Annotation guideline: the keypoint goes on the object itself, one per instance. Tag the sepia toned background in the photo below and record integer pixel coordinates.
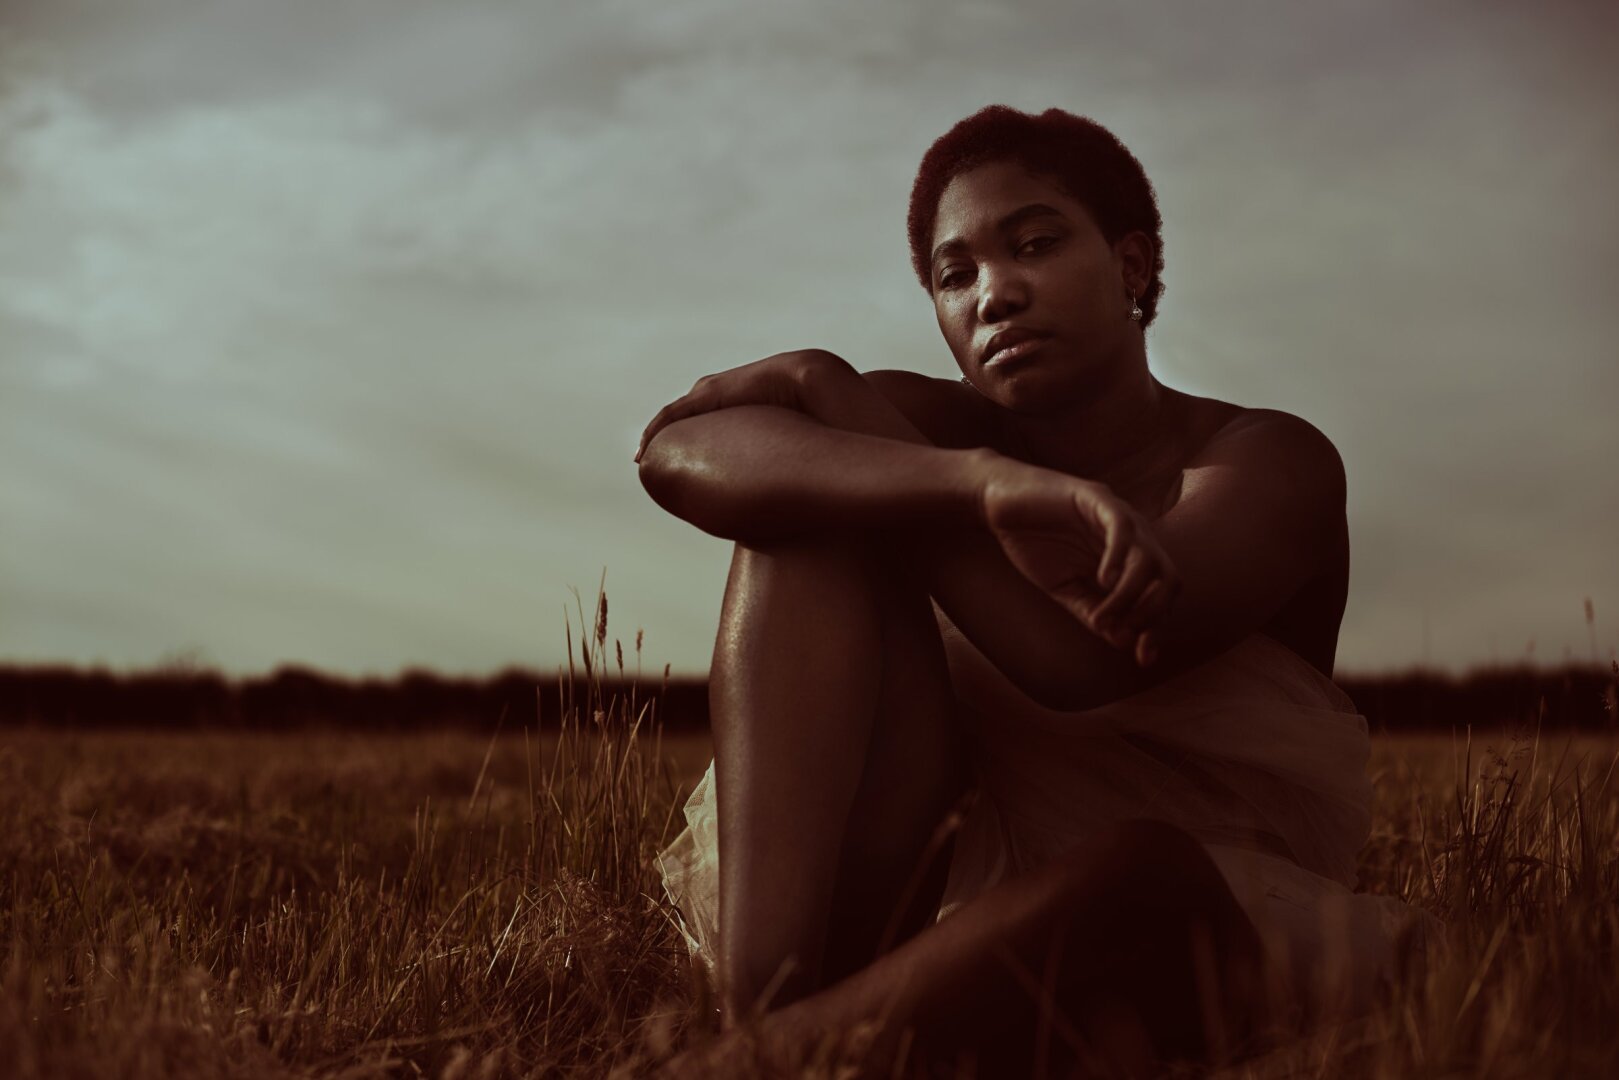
(327, 330)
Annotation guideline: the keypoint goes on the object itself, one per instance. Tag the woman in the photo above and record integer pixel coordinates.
(1025, 736)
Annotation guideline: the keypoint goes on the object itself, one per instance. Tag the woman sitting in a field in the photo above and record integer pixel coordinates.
(1105, 608)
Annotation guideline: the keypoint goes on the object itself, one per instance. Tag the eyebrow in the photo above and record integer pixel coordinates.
(1015, 218)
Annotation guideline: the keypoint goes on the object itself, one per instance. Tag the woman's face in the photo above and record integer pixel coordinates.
(1016, 258)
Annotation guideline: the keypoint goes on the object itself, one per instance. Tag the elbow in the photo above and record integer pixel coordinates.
(674, 477)
(653, 468)
(662, 472)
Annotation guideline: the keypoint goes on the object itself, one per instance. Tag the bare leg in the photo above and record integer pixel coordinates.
(1129, 952)
(834, 759)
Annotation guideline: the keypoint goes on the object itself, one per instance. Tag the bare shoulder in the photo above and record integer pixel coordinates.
(1267, 441)
(1279, 474)
(947, 411)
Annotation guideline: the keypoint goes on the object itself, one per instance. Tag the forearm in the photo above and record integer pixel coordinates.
(1052, 656)
(837, 395)
(761, 472)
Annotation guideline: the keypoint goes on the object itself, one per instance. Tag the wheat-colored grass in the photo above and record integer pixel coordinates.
(448, 905)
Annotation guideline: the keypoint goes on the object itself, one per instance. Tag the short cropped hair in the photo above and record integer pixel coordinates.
(1082, 156)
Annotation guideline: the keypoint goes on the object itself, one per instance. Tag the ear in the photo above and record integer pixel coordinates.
(1136, 256)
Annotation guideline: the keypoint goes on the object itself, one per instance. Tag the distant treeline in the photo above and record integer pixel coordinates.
(298, 697)
(292, 698)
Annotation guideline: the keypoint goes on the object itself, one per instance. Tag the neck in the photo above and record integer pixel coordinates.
(1111, 434)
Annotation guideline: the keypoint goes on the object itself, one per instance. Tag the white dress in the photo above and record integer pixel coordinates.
(1255, 753)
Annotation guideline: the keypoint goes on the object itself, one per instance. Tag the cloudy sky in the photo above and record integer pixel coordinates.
(327, 329)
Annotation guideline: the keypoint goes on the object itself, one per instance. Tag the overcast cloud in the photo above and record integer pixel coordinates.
(326, 331)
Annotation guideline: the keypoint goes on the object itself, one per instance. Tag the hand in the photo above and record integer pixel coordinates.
(1086, 548)
(775, 380)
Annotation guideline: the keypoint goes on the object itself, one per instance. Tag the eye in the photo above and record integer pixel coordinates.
(951, 276)
(1036, 244)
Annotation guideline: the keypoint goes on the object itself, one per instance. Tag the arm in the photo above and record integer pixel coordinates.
(1260, 515)
(1261, 507)
(838, 456)
(856, 451)
(833, 450)
(756, 473)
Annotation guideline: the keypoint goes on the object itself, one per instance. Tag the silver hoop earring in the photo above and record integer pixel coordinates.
(1135, 309)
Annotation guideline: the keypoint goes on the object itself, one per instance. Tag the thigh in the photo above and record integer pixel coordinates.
(1008, 632)
(897, 843)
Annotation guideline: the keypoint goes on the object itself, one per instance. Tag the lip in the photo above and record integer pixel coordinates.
(1011, 344)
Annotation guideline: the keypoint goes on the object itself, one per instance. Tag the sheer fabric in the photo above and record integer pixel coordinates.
(1255, 753)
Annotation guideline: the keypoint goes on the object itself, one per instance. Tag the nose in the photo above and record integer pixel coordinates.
(1003, 292)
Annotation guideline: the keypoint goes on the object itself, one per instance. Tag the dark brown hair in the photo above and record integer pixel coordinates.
(1082, 156)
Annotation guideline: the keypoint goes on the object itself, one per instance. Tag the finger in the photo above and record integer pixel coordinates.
(666, 416)
(1117, 545)
(1079, 598)
(1139, 571)
(1146, 649)
(650, 430)
(1150, 606)
(678, 409)
(646, 435)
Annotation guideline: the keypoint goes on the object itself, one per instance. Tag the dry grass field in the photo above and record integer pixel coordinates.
(450, 906)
